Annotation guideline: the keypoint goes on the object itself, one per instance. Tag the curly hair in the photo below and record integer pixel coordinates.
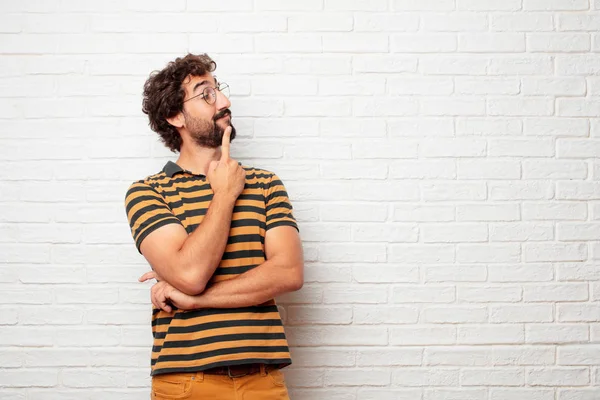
(164, 94)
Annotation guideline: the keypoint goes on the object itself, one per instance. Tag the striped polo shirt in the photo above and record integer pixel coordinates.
(195, 340)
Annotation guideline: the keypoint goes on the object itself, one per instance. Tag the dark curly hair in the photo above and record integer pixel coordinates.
(164, 94)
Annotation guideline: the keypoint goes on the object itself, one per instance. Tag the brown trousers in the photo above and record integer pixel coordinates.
(265, 385)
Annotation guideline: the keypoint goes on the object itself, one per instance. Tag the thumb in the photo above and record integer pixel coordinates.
(213, 164)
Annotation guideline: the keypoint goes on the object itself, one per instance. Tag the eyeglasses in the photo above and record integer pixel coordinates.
(209, 94)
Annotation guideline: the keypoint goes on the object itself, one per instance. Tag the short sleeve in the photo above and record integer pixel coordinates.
(278, 207)
(146, 211)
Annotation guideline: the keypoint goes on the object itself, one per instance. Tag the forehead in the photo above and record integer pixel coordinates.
(192, 81)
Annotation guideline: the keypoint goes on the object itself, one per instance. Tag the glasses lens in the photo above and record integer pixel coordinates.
(210, 96)
(224, 88)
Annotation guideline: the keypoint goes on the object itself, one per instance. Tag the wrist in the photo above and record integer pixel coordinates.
(224, 198)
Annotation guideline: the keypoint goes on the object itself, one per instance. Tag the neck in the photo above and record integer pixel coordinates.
(196, 159)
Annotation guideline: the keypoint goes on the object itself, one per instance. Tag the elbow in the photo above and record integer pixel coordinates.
(192, 283)
(298, 281)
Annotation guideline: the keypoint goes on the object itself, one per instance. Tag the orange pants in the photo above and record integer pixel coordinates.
(266, 385)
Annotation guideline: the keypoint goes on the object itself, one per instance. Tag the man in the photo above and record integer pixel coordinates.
(222, 243)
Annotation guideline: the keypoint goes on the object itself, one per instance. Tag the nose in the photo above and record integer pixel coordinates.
(222, 101)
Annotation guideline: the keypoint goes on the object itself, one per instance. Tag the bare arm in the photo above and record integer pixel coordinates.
(188, 261)
(282, 272)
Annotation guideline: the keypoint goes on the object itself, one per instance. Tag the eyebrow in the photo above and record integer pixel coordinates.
(204, 82)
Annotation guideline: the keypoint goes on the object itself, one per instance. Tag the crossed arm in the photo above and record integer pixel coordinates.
(282, 272)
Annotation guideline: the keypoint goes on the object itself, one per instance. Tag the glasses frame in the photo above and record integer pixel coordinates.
(220, 87)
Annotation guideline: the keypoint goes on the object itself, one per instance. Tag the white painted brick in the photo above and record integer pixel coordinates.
(384, 63)
(549, 5)
(578, 22)
(454, 233)
(533, 252)
(489, 293)
(424, 213)
(558, 42)
(487, 86)
(556, 333)
(519, 65)
(454, 394)
(421, 253)
(384, 233)
(380, 107)
(370, 377)
(554, 86)
(488, 169)
(491, 42)
(513, 393)
(523, 355)
(578, 148)
(456, 356)
(423, 43)
(453, 65)
(455, 273)
(423, 169)
(556, 127)
(464, 315)
(577, 272)
(423, 5)
(355, 43)
(307, 357)
(339, 107)
(446, 106)
(25, 378)
(488, 127)
(577, 231)
(522, 273)
(496, 334)
(394, 191)
(352, 86)
(425, 377)
(310, 151)
(517, 232)
(593, 84)
(583, 64)
(81, 378)
(492, 377)
(386, 22)
(158, 23)
(521, 313)
(488, 5)
(488, 212)
(532, 190)
(425, 86)
(353, 212)
(355, 294)
(577, 312)
(554, 169)
(369, 315)
(346, 127)
(558, 376)
(389, 357)
(423, 335)
(554, 211)
(272, 5)
(521, 22)
(318, 315)
(337, 336)
(578, 108)
(520, 107)
(385, 274)
(578, 355)
(428, 294)
(352, 253)
(283, 43)
(452, 148)
(578, 190)
(488, 253)
(454, 22)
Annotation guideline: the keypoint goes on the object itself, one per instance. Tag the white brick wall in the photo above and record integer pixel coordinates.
(441, 156)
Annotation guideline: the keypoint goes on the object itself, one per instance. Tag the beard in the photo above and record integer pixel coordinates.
(208, 134)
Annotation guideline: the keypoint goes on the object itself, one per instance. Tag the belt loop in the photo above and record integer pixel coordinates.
(199, 376)
(263, 370)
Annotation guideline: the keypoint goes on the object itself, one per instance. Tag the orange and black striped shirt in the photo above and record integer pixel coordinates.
(195, 340)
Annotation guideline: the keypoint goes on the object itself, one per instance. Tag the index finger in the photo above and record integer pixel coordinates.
(225, 143)
(148, 275)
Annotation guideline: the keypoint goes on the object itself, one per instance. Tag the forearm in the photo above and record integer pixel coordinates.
(253, 287)
(203, 249)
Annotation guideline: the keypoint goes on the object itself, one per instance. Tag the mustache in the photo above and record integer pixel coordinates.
(222, 114)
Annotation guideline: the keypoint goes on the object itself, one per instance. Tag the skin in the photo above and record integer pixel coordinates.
(183, 264)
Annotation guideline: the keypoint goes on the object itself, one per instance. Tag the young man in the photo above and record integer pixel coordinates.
(222, 243)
